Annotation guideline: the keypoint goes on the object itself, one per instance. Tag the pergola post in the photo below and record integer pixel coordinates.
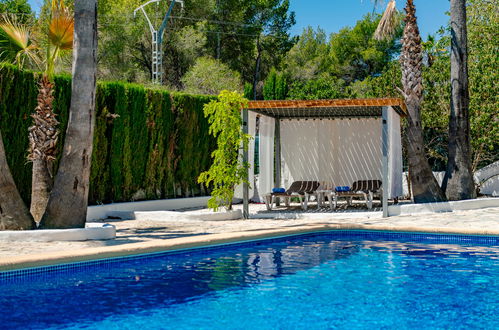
(245, 161)
(384, 144)
(277, 156)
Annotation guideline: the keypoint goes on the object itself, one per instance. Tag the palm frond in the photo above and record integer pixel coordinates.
(61, 26)
(17, 34)
(60, 34)
(16, 44)
(388, 23)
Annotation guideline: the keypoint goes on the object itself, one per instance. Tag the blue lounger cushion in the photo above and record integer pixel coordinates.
(278, 190)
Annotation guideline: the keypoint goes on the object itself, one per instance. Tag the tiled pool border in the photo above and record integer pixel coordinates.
(416, 236)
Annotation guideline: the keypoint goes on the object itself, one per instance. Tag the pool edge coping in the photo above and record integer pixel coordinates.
(199, 241)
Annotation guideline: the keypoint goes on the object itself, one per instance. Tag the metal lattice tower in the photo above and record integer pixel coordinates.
(157, 38)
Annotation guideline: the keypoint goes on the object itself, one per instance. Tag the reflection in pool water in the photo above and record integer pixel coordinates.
(314, 281)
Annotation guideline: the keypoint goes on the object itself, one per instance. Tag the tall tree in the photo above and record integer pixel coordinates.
(309, 57)
(44, 134)
(425, 187)
(20, 8)
(458, 182)
(67, 206)
(355, 54)
(483, 24)
(253, 35)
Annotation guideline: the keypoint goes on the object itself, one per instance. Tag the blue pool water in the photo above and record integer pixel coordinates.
(350, 280)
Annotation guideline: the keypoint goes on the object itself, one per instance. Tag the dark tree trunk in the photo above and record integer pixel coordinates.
(458, 181)
(67, 206)
(425, 187)
(256, 76)
(14, 214)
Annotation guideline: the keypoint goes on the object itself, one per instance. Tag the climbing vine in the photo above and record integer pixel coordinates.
(227, 169)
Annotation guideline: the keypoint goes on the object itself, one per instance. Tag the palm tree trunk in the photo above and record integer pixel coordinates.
(425, 187)
(67, 206)
(41, 184)
(458, 181)
(14, 214)
(43, 136)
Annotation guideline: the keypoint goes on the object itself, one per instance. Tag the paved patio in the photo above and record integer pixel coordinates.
(142, 236)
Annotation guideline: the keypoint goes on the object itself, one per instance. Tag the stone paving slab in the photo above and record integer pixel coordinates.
(144, 236)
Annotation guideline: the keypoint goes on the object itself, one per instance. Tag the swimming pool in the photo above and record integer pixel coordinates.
(349, 279)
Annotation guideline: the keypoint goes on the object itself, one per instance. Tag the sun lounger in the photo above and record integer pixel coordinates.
(363, 188)
(300, 189)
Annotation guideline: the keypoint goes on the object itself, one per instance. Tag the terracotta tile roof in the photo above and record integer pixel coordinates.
(327, 108)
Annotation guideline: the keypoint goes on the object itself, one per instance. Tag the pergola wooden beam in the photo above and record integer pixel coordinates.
(325, 109)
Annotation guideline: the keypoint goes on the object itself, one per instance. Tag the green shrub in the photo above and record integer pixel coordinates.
(148, 143)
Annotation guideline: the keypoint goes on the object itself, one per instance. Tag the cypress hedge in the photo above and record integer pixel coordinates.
(148, 143)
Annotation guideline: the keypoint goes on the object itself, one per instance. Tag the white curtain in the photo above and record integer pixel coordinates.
(394, 155)
(238, 191)
(339, 151)
(266, 156)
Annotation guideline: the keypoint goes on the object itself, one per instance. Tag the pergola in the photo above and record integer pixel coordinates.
(286, 111)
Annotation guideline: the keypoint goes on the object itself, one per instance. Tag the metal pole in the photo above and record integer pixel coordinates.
(157, 39)
(154, 58)
(277, 156)
(218, 45)
(384, 143)
(245, 161)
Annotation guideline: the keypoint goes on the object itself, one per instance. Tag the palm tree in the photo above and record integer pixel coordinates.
(425, 187)
(67, 205)
(17, 46)
(458, 182)
(43, 135)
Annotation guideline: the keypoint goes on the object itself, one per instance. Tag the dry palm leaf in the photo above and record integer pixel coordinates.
(388, 23)
(17, 44)
(61, 26)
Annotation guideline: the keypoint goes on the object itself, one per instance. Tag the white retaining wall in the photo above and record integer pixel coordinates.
(178, 216)
(471, 204)
(92, 231)
(102, 211)
(488, 179)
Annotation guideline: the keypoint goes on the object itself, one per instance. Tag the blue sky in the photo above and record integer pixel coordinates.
(332, 15)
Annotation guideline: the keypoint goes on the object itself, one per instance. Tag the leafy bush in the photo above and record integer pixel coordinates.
(210, 76)
(320, 88)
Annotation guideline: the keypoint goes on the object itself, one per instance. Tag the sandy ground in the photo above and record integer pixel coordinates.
(136, 231)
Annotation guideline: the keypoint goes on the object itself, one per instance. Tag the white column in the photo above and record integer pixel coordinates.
(384, 146)
(245, 160)
(266, 156)
(394, 155)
